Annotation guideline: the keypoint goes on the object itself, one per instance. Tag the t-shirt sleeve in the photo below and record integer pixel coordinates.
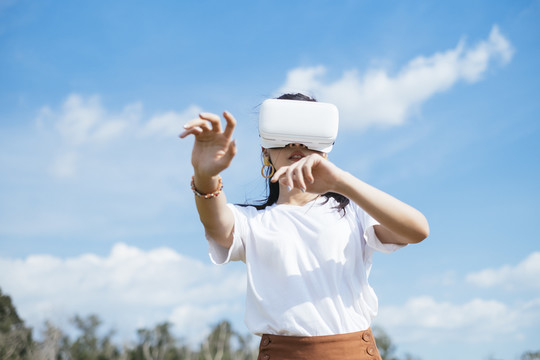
(220, 255)
(370, 236)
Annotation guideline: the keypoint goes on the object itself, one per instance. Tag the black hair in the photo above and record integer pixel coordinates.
(272, 189)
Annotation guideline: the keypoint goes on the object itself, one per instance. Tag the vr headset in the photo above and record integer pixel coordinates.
(313, 124)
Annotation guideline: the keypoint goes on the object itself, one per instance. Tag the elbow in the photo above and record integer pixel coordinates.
(422, 232)
(419, 237)
(417, 231)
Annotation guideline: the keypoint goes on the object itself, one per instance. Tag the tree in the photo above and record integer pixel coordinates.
(156, 344)
(15, 338)
(88, 346)
(55, 344)
(219, 345)
(223, 342)
(386, 348)
(384, 344)
(529, 355)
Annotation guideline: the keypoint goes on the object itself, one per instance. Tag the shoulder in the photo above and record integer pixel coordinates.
(338, 203)
(246, 210)
(352, 212)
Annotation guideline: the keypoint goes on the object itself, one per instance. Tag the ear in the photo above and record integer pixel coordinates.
(265, 152)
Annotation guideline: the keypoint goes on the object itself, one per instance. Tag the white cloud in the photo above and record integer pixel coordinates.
(170, 123)
(112, 182)
(524, 275)
(83, 123)
(478, 320)
(82, 120)
(128, 288)
(378, 98)
(425, 319)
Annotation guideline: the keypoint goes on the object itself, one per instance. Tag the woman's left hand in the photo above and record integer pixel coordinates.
(312, 173)
(399, 222)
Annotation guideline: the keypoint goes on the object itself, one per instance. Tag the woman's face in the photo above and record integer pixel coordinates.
(289, 154)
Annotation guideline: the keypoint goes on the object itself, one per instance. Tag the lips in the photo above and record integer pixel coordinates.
(297, 155)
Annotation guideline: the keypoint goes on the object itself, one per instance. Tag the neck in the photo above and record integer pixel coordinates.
(295, 196)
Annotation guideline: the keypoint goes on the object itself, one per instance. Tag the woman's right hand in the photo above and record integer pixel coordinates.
(213, 152)
(213, 149)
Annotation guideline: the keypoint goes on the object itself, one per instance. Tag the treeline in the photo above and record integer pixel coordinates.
(18, 343)
(91, 343)
(222, 343)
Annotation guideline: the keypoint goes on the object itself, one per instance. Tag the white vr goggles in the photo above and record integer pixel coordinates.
(313, 124)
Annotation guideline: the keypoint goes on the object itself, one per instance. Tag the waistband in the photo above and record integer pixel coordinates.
(350, 346)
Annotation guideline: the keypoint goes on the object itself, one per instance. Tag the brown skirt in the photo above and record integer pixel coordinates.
(352, 346)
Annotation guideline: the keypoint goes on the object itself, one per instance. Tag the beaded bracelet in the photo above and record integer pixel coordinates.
(210, 195)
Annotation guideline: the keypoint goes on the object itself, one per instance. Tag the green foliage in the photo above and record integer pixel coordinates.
(384, 344)
(223, 342)
(89, 346)
(55, 344)
(156, 344)
(219, 345)
(386, 348)
(529, 355)
(15, 338)
(8, 314)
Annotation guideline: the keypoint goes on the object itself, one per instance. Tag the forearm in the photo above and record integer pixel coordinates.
(215, 215)
(401, 223)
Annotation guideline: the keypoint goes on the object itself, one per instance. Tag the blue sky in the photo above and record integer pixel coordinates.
(439, 107)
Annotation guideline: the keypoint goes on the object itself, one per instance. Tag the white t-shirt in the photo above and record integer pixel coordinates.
(307, 267)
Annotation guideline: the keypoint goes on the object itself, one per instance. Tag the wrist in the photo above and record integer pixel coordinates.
(342, 184)
(205, 183)
(208, 195)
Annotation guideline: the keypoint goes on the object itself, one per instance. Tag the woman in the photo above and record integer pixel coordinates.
(307, 248)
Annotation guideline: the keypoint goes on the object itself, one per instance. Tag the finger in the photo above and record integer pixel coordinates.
(298, 177)
(229, 154)
(192, 131)
(278, 174)
(289, 181)
(203, 124)
(214, 120)
(231, 124)
(232, 148)
(308, 172)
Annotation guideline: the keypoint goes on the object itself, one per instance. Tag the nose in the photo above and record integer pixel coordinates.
(296, 145)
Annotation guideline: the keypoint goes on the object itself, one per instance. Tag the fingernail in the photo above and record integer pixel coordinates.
(289, 188)
(185, 126)
(303, 190)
